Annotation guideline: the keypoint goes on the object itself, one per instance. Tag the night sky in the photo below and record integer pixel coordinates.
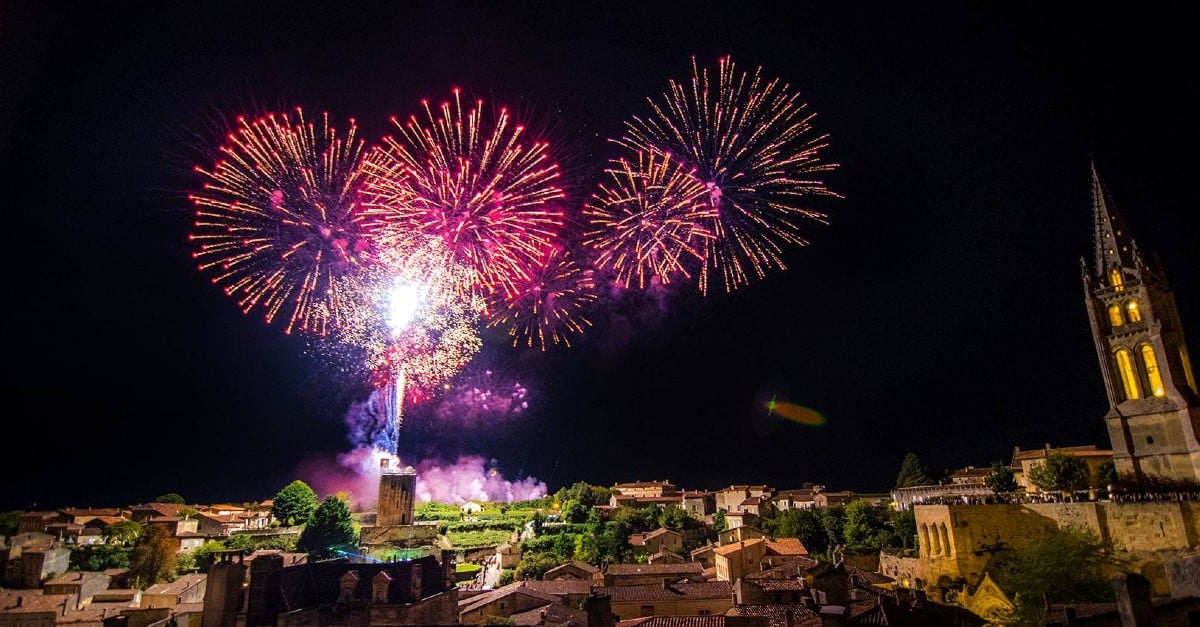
(941, 312)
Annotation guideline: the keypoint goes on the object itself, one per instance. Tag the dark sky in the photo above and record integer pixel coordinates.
(940, 312)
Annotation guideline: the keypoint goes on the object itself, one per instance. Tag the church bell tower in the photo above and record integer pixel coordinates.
(1154, 409)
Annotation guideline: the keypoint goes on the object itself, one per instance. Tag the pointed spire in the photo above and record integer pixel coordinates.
(1114, 244)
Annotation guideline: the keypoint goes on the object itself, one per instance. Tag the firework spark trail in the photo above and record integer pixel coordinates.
(467, 178)
(750, 141)
(277, 220)
(546, 307)
(649, 220)
(443, 334)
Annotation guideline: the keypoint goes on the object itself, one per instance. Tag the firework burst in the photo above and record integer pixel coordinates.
(431, 338)
(547, 305)
(649, 220)
(277, 221)
(475, 182)
(750, 141)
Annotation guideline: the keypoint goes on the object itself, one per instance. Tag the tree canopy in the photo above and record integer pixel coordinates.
(153, 558)
(1001, 478)
(173, 498)
(1063, 566)
(295, 504)
(912, 472)
(330, 530)
(1060, 472)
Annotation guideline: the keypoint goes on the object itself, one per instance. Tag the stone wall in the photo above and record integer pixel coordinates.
(1143, 534)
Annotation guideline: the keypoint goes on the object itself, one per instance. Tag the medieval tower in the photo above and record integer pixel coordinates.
(396, 490)
(1154, 409)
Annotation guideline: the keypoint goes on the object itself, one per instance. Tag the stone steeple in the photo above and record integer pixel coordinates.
(1154, 410)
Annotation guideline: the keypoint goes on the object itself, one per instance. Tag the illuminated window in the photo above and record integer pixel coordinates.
(1129, 378)
(1135, 312)
(1116, 279)
(1152, 373)
(1114, 315)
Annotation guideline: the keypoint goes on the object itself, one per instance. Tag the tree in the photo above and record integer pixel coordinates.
(188, 512)
(329, 531)
(866, 526)
(1001, 478)
(239, 541)
(97, 557)
(1060, 472)
(904, 529)
(170, 497)
(800, 523)
(719, 522)
(574, 512)
(1062, 566)
(9, 521)
(124, 532)
(153, 558)
(295, 504)
(1106, 474)
(912, 472)
(833, 519)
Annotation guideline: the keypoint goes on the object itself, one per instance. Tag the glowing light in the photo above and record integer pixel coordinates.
(278, 223)
(475, 182)
(405, 299)
(649, 220)
(750, 141)
(795, 413)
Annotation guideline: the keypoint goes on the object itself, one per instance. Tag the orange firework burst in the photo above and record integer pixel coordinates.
(472, 180)
(649, 220)
(277, 220)
(750, 142)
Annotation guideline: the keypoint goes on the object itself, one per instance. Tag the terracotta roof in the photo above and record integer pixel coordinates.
(228, 507)
(752, 500)
(777, 614)
(574, 565)
(34, 601)
(779, 585)
(786, 546)
(163, 509)
(106, 520)
(555, 614)
(637, 539)
(91, 512)
(476, 602)
(670, 592)
(702, 550)
(163, 519)
(686, 568)
(75, 576)
(178, 586)
(791, 567)
(730, 549)
(661, 531)
(562, 586)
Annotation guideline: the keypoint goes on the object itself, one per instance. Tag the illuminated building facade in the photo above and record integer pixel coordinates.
(1154, 409)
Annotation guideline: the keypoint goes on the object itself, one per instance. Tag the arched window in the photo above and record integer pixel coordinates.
(1152, 373)
(1135, 312)
(937, 541)
(1129, 379)
(1114, 315)
(925, 538)
(946, 546)
(1116, 279)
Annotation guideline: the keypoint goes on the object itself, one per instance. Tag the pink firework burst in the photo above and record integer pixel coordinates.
(277, 219)
(547, 306)
(474, 180)
(649, 220)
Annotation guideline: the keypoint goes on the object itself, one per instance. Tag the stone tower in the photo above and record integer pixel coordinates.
(396, 489)
(1154, 411)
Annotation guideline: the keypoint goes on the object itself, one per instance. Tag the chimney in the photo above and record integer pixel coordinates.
(599, 610)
